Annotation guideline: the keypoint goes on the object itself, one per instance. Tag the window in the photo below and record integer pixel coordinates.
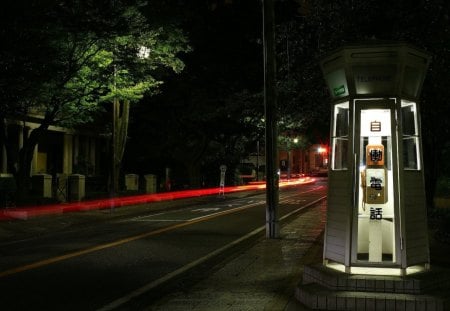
(410, 136)
(340, 136)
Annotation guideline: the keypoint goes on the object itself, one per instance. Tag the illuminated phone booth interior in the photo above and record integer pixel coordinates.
(376, 218)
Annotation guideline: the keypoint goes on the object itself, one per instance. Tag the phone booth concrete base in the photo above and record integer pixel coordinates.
(376, 253)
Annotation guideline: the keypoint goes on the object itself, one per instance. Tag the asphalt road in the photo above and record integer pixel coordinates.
(103, 260)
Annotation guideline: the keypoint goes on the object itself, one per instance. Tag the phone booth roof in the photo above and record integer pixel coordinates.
(381, 70)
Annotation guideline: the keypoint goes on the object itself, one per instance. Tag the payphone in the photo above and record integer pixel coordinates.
(376, 214)
(374, 196)
(374, 176)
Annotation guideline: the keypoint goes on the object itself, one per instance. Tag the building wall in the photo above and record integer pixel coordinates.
(297, 161)
(59, 151)
(312, 160)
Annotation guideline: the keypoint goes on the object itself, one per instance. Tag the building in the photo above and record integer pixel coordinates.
(292, 163)
(310, 161)
(60, 153)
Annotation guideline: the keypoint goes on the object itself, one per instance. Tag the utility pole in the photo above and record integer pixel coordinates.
(114, 173)
(257, 160)
(270, 108)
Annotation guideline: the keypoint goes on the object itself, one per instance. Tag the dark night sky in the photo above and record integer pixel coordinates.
(227, 56)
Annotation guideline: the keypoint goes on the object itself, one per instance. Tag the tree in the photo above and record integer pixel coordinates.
(136, 57)
(200, 120)
(225, 71)
(65, 58)
(313, 28)
(45, 62)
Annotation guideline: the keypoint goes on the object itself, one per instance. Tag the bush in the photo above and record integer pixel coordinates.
(7, 191)
(440, 221)
(443, 187)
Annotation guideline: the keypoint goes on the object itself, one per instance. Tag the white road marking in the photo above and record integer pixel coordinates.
(157, 220)
(148, 287)
(206, 209)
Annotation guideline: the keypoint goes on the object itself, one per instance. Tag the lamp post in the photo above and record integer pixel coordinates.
(288, 149)
(323, 155)
(115, 110)
(290, 161)
(120, 124)
(257, 160)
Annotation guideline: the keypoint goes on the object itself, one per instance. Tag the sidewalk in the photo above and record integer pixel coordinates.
(264, 276)
(261, 278)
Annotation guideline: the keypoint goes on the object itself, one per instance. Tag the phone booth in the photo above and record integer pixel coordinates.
(376, 214)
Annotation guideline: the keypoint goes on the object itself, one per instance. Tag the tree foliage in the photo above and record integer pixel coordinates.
(199, 121)
(64, 58)
(314, 28)
(225, 70)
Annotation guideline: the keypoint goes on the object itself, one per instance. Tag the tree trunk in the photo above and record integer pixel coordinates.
(194, 175)
(20, 167)
(192, 161)
(23, 174)
(121, 113)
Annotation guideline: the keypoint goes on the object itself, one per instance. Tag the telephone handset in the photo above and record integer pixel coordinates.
(373, 178)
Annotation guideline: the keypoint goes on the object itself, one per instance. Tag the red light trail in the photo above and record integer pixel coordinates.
(62, 208)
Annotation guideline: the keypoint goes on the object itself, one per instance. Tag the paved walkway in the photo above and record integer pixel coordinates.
(261, 278)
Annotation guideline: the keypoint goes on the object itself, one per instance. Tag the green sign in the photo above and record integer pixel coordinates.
(339, 90)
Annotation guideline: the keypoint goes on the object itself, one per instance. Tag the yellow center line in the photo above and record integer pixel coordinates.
(89, 250)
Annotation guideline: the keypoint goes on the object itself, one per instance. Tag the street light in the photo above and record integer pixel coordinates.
(289, 149)
(323, 155)
(119, 121)
(321, 149)
(143, 52)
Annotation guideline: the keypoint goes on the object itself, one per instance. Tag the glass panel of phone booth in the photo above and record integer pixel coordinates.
(340, 136)
(410, 136)
(375, 231)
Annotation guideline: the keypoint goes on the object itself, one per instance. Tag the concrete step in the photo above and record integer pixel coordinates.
(417, 283)
(318, 297)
